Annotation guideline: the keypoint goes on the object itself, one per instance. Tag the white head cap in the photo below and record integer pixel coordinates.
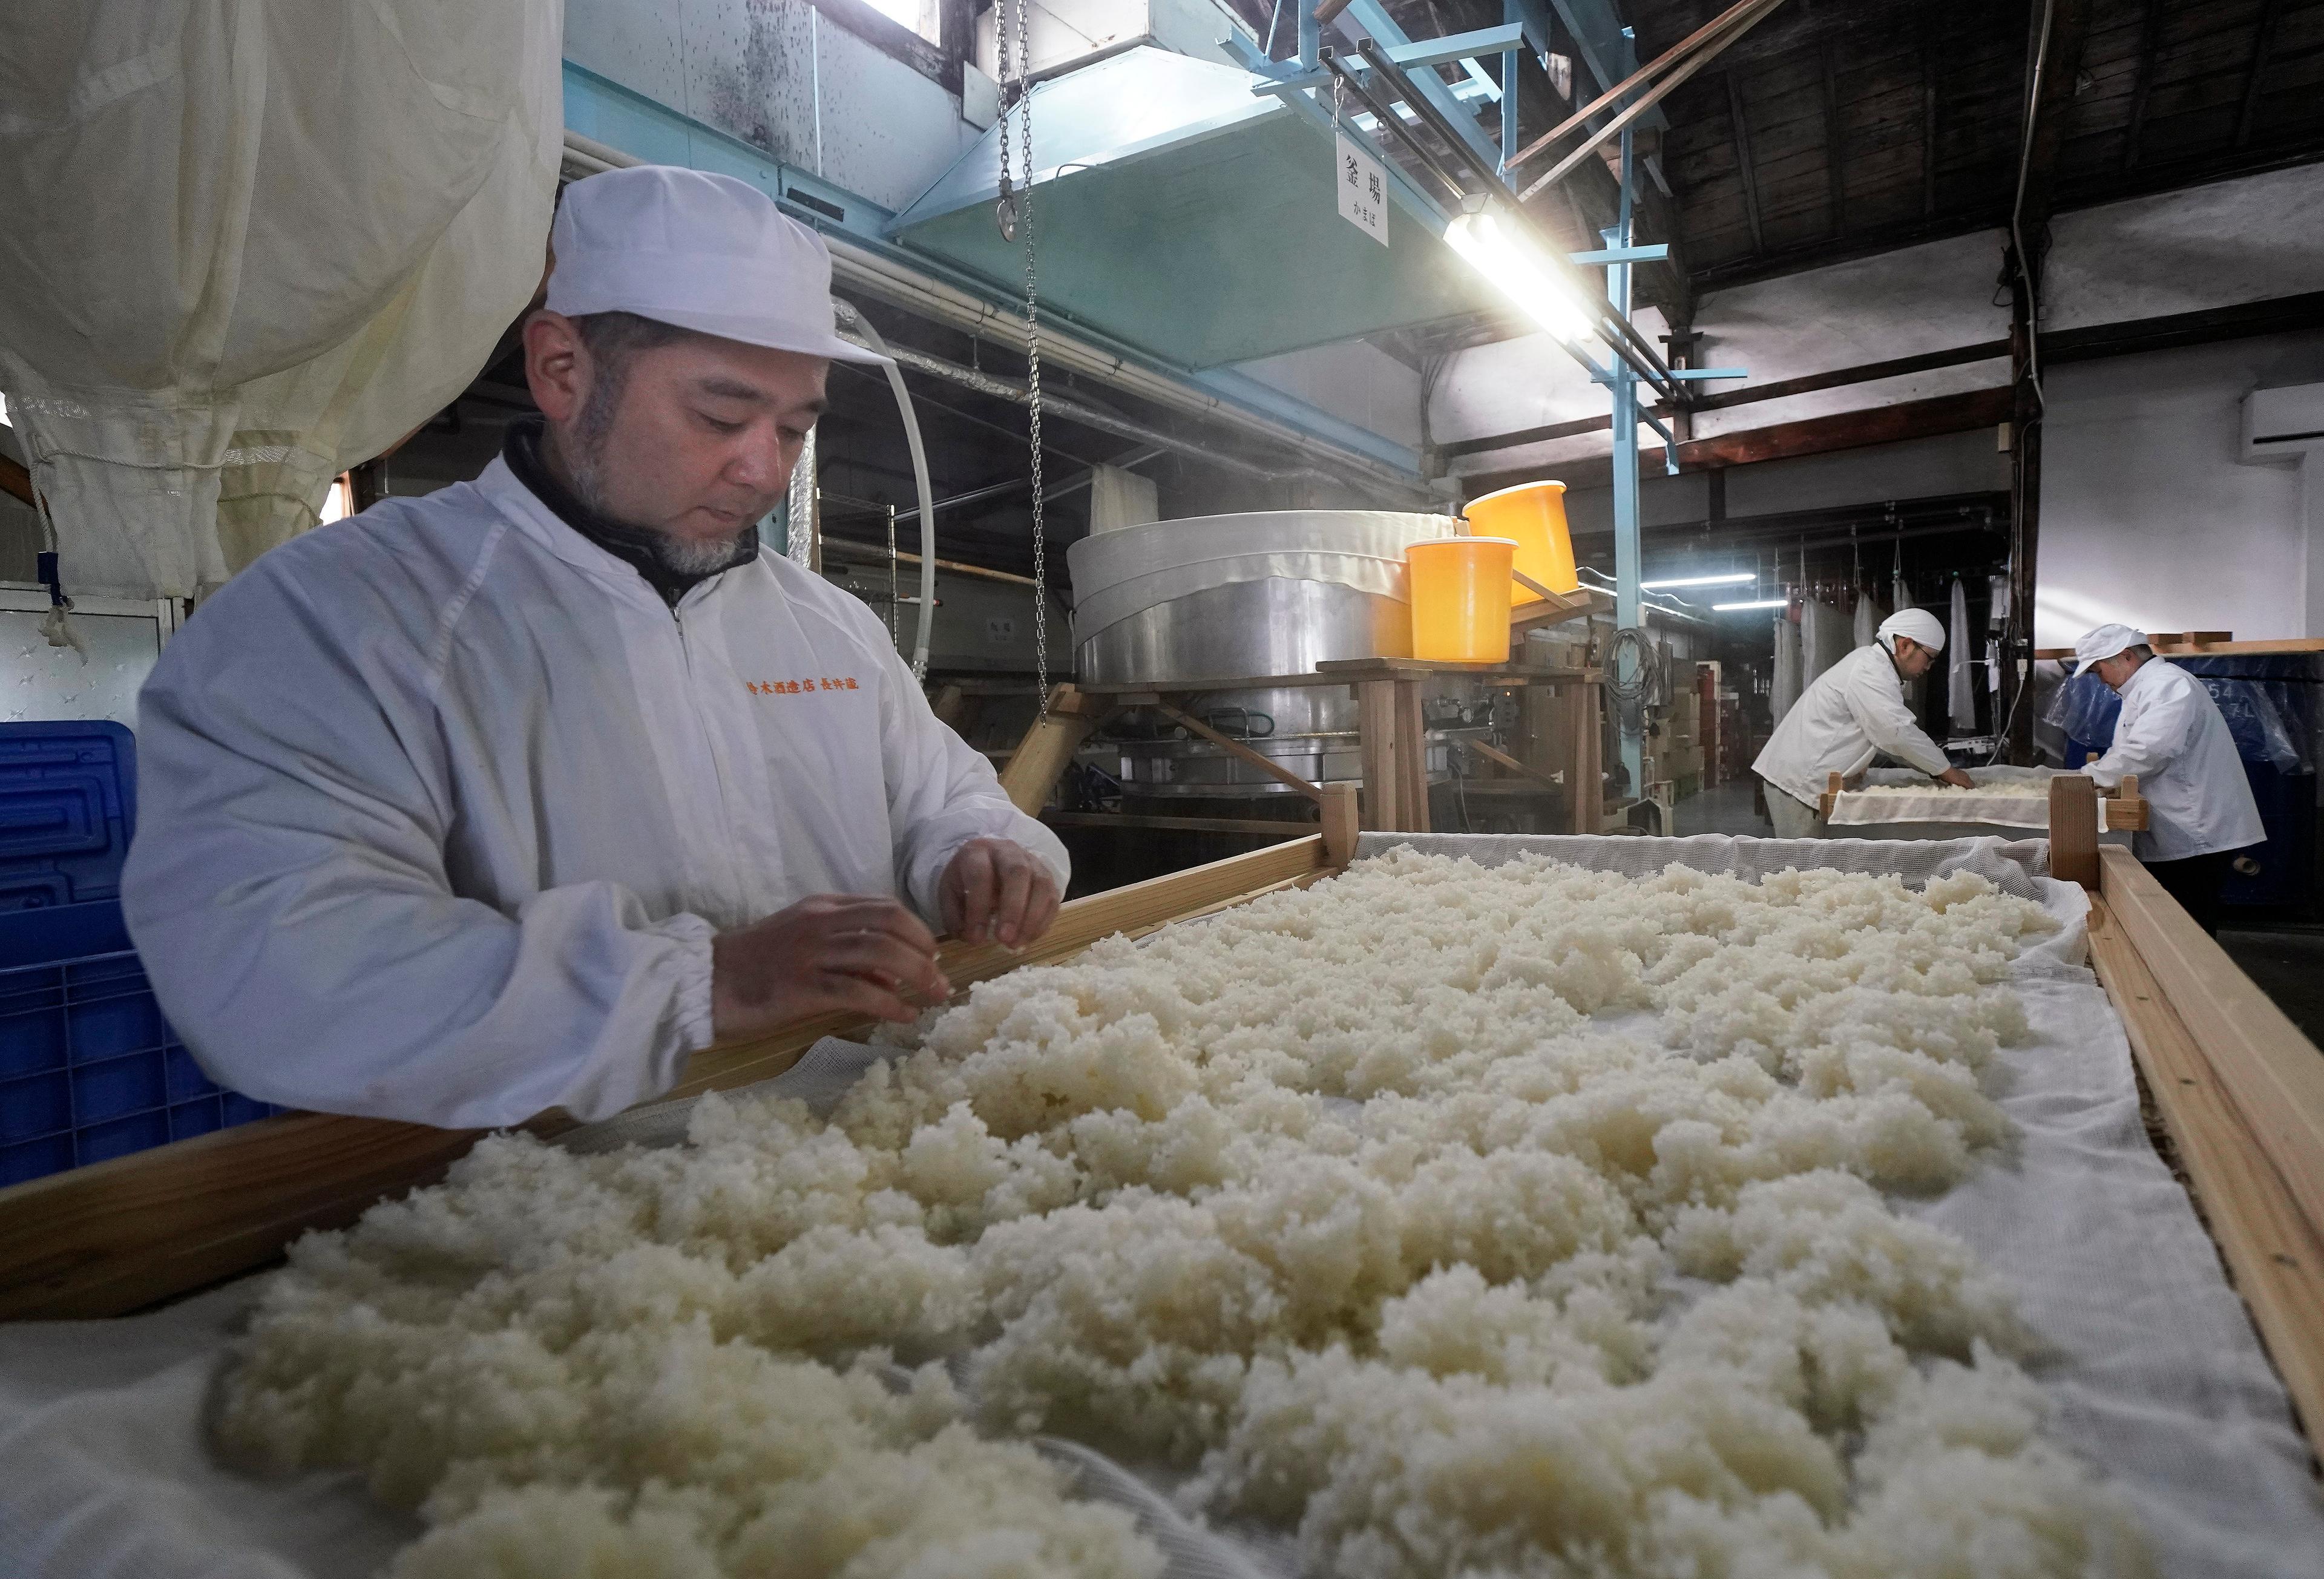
(2106, 642)
(1917, 623)
(700, 251)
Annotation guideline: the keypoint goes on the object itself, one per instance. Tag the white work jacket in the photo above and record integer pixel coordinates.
(1854, 710)
(441, 806)
(2199, 800)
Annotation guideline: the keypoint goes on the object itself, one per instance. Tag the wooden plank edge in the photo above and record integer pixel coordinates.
(2274, 1073)
(118, 1236)
(2273, 1251)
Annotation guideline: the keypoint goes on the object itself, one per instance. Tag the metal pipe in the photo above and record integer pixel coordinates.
(927, 511)
(1394, 124)
(1088, 416)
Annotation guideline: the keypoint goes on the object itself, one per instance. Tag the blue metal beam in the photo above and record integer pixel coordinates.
(1373, 17)
(1654, 253)
(1458, 46)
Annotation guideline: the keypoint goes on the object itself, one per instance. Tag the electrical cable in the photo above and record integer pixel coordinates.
(2017, 209)
(1630, 691)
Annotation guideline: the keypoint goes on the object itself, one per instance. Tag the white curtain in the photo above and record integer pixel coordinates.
(1960, 693)
(1787, 666)
(251, 243)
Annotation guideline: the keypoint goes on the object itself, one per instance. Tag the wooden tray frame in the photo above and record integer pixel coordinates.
(2240, 1090)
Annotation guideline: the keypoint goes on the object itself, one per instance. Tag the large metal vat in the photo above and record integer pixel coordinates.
(1232, 597)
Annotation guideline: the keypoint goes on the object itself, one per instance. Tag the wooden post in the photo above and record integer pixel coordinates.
(1833, 786)
(2074, 829)
(1339, 824)
(1376, 736)
(1042, 757)
(1412, 758)
(1585, 768)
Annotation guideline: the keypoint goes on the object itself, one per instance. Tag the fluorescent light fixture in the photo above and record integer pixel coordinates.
(1736, 579)
(1518, 271)
(1721, 608)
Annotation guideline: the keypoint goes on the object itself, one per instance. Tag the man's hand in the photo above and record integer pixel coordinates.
(1957, 778)
(831, 954)
(997, 891)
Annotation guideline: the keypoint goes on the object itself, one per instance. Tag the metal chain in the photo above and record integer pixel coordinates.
(893, 590)
(1032, 357)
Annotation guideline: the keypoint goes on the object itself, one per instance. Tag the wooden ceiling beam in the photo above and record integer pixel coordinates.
(2263, 45)
(1743, 167)
(2150, 41)
(1890, 424)
(1835, 148)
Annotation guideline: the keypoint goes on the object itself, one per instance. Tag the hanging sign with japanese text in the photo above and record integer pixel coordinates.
(1363, 190)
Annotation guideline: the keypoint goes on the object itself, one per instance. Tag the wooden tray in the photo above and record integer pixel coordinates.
(2240, 1089)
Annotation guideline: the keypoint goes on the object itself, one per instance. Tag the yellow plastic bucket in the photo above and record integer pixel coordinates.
(1459, 613)
(1532, 516)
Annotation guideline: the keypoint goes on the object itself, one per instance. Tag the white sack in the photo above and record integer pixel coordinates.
(1961, 694)
(1869, 616)
(1824, 639)
(254, 243)
(1787, 667)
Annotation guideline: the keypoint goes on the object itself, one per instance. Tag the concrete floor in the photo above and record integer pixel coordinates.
(2288, 965)
(1724, 809)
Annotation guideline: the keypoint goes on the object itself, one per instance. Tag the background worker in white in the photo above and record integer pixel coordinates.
(2199, 807)
(516, 795)
(1854, 710)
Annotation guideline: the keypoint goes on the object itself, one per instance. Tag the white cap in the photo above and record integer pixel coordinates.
(700, 251)
(2106, 642)
(1918, 623)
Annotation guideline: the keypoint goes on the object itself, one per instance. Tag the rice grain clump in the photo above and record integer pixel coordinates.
(1514, 1221)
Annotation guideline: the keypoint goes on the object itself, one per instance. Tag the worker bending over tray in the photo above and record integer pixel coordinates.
(2170, 736)
(515, 796)
(1854, 710)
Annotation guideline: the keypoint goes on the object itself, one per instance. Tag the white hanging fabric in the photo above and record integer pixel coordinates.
(1960, 692)
(1824, 639)
(1120, 497)
(315, 223)
(1788, 683)
(1869, 612)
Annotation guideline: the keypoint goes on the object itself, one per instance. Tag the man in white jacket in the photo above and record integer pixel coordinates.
(517, 795)
(2171, 736)
(1854, 710)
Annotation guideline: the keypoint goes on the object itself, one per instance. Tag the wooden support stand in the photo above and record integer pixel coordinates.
(1048, 748)
(2074, 829)
(1562, 743)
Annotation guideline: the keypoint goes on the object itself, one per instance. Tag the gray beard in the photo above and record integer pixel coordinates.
(676, 556)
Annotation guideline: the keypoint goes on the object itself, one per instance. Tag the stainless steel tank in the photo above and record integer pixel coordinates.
(1232, 597)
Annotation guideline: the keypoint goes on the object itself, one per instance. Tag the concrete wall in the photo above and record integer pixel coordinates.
(2149, 517)
(778, 74)
(1353, 381)
(2244, 240)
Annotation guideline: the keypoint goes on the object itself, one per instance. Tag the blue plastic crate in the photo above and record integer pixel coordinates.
(68, 809)
(89, 1068)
